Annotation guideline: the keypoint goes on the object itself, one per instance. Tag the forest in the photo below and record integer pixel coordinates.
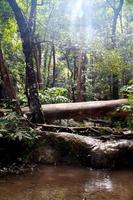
(66, 83)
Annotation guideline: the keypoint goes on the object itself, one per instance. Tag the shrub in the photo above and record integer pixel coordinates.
(54, 95)
(14, 127)
(128, 92)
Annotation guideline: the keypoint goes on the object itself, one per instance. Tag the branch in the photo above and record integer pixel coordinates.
(110, 4)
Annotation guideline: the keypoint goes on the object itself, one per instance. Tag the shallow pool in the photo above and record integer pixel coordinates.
(68, 183)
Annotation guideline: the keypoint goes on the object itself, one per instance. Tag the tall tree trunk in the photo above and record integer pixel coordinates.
(70, 77)
(36, 43)
(74, 78)
(115, 86)
(54, 65)
(7, 82)
(27, 43)
(38, 58)
(32, 17)
(81, 77)
(84, 62)
(115, 81)
(45, 64)
(49, 65)
(121, 22)
(79, 74)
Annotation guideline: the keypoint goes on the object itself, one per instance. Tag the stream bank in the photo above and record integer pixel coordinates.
(106, 151)
(23, 147)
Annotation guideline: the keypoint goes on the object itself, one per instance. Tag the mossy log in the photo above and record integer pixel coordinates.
(85, 150)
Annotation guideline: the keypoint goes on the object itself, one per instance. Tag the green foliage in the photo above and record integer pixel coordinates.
(129, 2)
(14, 127)
(49, 96)
(22, 97)
(54, 95)
(128, 91)
(7, 103)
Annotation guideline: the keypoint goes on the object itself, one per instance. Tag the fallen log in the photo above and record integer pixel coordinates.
(91, 152)
(83, 110)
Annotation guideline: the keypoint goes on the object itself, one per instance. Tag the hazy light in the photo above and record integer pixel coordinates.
(79, 15)
(77, 10)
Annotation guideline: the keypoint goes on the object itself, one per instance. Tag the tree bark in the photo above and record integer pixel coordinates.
(36, 43)
(81, 77)
(54, 65)
(45, 64)
(49, 66)
(32, 18)
(71, 77)
(37, 56)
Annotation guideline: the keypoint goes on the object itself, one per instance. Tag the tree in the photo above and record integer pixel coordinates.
(7, 82)
(26, 31)
(117, 9)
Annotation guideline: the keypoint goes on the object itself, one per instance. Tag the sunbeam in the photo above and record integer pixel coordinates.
(80, 17)
(77, 10)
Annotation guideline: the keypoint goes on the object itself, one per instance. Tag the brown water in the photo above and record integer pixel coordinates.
(68, 183)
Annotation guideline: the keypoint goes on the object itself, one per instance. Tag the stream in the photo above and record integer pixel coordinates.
(68, 183)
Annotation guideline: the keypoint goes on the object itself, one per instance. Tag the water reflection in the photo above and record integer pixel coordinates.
(65, 183)
(105, 184)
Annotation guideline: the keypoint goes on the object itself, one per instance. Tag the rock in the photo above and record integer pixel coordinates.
(45, 155)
